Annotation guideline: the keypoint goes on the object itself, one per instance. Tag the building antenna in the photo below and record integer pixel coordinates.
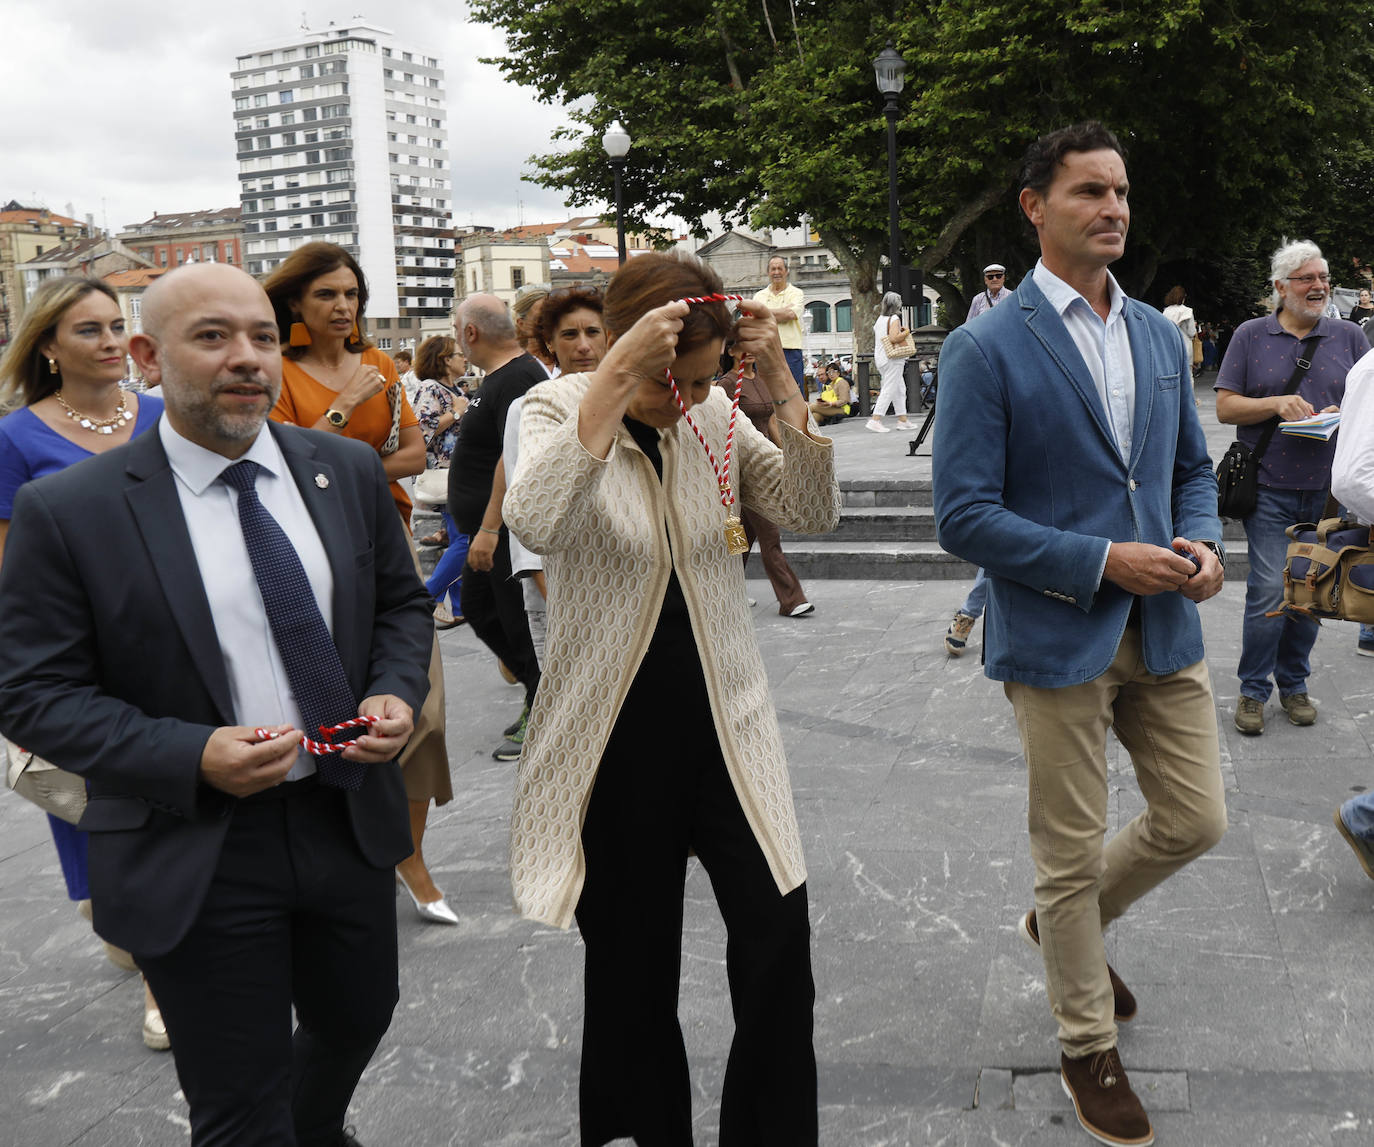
(305, 21)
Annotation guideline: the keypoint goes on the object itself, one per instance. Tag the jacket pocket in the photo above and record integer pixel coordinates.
(1167, 382)
(114, 814)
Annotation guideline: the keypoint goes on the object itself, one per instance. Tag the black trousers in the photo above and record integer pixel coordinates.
(659, 792)
(294, 916)
(494, 605)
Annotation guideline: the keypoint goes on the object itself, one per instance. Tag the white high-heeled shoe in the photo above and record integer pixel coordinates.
(435, 911)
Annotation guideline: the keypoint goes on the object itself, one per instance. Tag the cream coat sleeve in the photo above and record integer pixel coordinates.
(1352, 470)
(555, 473)
(793, 486)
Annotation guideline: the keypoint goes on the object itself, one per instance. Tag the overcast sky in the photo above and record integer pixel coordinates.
(124, 109)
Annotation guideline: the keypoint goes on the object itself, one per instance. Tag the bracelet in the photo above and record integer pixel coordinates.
(487, 531)
(785, 401)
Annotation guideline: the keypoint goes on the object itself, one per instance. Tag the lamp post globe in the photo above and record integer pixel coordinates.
(616, 143)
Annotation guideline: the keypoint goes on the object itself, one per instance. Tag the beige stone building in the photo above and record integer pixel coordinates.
(25, 233)
(97, 256)
(494, 264)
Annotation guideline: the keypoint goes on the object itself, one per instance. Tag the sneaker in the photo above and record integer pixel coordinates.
(876, 427)
(1366, 647)
(956, 636)
(1364, 851)
(1299, 708)
(444, 618)
(802, 610)
(507, 751)
(1250, 716)
(1107, 1108)
(1124, 1006)
(515, 731)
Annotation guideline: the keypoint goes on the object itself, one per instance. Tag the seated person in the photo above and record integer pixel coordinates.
(832, 403)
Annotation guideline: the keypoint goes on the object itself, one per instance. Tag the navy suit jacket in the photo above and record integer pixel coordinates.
(109, 664)
(1030, 485)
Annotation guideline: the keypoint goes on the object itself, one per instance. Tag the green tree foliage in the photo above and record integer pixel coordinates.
(1243, 122)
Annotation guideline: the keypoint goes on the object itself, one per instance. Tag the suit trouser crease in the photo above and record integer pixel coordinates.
(1167, 724)
(294, 916)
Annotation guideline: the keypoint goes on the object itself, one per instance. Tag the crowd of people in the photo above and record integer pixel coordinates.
(252, 806)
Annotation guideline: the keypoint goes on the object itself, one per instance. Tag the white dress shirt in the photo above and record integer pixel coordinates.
(1105, 347)
(1352, 470)
(258, 685)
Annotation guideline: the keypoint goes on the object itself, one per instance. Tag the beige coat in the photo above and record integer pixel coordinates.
(604, 528)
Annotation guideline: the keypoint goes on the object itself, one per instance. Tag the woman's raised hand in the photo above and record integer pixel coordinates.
(367, 380)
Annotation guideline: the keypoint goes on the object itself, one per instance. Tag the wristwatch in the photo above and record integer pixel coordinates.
(336, 418)
(1215, 547)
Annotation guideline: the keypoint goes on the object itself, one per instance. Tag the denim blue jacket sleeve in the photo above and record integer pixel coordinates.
(1030, 485)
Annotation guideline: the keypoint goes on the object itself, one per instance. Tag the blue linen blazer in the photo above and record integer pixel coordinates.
(1029, 484)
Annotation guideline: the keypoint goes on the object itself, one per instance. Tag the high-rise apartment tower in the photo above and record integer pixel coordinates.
(342, 136)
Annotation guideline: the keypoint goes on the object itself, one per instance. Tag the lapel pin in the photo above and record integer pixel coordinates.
(321, 481)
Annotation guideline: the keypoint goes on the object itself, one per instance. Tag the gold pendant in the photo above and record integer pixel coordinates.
(736, 540)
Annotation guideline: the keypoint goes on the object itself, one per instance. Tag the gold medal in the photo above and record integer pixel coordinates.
(736, 540)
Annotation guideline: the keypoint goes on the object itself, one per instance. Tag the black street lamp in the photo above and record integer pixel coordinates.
(616, 141)
(890, 70)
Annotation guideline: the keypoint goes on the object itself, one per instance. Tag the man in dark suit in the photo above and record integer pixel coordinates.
(142, 645)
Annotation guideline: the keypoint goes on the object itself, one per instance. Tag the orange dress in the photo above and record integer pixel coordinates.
(304, 399)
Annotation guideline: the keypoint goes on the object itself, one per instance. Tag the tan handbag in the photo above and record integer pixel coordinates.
(40, 782)
(904, 347)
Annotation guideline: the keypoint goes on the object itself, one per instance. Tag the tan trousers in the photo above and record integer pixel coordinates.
(1168, 726)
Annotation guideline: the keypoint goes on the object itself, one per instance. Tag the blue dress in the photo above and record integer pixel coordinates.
(29, 449)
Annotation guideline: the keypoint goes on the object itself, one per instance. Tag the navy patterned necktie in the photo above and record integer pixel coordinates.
(307, 650)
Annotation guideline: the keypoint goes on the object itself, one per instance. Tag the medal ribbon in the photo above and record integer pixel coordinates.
(324, 748)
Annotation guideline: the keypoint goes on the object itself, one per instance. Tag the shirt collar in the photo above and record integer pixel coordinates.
(1272, 326)
(199, 468)
(1061, 296)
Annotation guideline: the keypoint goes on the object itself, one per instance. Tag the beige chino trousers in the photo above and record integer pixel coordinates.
(1168, 726)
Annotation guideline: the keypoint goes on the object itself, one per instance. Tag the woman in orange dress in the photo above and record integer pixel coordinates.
(336, 381)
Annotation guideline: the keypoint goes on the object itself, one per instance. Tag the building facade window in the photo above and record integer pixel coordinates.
(844, 316)
(820, 317)
(517, 277)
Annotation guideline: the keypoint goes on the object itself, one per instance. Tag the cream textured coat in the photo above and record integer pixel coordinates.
(605, 528)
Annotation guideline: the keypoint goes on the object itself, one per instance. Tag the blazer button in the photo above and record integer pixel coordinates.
(1133, 485)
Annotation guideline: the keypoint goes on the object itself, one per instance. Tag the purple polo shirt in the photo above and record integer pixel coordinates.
(1259, 362)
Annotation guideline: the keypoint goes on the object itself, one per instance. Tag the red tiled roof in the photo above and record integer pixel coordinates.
(35, 215)
(137, 277)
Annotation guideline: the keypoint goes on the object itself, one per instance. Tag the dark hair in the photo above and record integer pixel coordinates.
(292, 277)
(651, 280)
(1175, 297)
(1047, 152)
(402, 353)
(432, 361)
(559, 304)
(24, 376)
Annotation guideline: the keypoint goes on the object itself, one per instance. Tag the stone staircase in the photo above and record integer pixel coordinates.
(887, 533)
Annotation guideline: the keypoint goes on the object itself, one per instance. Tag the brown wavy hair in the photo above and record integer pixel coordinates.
(289, 281)
(430, 360)
(559, 304)
(649, 281)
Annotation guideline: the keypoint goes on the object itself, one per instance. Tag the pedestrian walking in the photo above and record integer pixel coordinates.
(1091, 503)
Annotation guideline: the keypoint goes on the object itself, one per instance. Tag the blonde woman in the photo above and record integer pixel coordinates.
(62, 370)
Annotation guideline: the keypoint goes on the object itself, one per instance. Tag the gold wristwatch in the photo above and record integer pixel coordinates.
(336, 418)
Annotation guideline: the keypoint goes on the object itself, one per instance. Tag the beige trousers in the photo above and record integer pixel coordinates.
(1168, 726)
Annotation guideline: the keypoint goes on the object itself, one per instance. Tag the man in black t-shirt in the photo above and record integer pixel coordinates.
(492, 601)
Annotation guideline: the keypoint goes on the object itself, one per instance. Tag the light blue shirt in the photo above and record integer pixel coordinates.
(258, 685)
(1105, 347)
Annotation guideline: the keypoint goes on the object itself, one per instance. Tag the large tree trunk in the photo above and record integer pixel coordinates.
(861, 265)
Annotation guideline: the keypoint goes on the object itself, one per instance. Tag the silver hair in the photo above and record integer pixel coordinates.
(1287, 259)
(892, 303)
(493, 323)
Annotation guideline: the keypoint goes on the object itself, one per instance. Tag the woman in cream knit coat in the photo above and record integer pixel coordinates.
(653, 734)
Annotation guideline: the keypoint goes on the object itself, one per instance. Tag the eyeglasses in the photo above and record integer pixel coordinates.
(1308, 280)
(995, 275)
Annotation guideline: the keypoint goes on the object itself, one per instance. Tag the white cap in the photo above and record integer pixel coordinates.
(993, 267)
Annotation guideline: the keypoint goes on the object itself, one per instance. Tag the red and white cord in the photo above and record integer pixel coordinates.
(324, 748)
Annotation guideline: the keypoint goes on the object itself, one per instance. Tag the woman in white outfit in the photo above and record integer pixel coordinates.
(893, 392)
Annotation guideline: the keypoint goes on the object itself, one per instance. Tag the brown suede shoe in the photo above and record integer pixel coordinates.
(1107, 1108)
(1123, 1002)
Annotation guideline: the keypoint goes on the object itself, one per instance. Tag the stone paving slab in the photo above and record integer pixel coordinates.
(931, 1021)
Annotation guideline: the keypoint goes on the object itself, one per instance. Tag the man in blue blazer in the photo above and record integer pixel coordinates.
(1070, 464)
(136, 650)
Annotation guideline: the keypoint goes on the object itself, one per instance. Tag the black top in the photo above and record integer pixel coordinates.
(674, 614)
(480, 437)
